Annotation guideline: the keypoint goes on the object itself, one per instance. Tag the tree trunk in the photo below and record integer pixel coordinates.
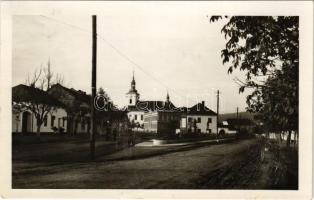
(289, 139)
(38, 131)
(39, 123)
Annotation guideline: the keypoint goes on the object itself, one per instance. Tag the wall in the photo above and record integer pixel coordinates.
(59, 114)
(151, 121)
(168, 122)
(131, 116)
(132, 96)
(203, 124)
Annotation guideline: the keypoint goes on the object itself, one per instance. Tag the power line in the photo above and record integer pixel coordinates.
(118, 51)
(67, 24)
(137, 65)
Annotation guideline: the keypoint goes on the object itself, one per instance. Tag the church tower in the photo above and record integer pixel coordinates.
(133, 96)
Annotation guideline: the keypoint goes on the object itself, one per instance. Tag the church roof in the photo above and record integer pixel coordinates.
(152, 106)
(132, 91)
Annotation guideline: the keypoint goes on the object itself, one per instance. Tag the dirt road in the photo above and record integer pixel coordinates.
(234, 165)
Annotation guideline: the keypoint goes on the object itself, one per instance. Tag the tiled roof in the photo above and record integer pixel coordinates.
(78, 94)
(200, 109)
(24, 93)
(152, 106)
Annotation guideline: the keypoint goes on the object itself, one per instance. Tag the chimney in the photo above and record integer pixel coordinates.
(203, 104)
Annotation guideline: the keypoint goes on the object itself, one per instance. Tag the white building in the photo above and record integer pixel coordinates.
(199, 119)
(135, 114)
(27, 101)
(25, 122)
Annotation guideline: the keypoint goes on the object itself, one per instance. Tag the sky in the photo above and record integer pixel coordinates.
(168, 49)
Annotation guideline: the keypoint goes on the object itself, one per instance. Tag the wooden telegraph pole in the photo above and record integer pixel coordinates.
(237, 124)
(94, 62)
(217, 110)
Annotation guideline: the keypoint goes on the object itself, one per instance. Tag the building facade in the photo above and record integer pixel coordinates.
(25, 122)
(25, 100)
(198, 119)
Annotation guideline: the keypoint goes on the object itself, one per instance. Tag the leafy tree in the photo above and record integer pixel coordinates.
(266, 48)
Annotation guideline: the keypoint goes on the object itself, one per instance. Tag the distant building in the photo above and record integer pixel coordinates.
(230, 124)
(135, 115)
(77, 102)
(24, 120)
(198, 119)
(161, 117)
(77, 105)
(151, 116)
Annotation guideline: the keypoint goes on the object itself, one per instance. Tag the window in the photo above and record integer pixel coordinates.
(135, 117)
(141, 117)
(63, 122)
(198, 120)
(209, 130)
(59, 122)
(209, 120)
(45, 121)
(130, 101)
(189, 119)
(52, 121)
(199, 130)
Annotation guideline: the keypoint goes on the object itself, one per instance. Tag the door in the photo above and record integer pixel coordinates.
(25, 122)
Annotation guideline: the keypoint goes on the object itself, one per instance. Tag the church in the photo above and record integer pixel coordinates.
(151, 116)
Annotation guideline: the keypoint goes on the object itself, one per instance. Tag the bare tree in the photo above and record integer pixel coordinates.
(41, 105)
(36, 76)
(59, 79)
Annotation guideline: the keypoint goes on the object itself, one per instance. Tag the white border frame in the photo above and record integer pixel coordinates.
(299, 8)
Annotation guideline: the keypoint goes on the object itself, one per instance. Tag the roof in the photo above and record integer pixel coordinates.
(24, 93)
(78, 94)
(200, 109)
(247, 115)
(153, 106)
(133, 91)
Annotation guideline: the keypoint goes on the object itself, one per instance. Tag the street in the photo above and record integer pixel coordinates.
(234, 165)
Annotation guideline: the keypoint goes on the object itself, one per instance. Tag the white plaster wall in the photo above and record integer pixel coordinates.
(150, 120)
(131, 116)
(203, 124)
(17, 122)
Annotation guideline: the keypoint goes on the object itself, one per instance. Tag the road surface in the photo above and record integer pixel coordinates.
(233, 165)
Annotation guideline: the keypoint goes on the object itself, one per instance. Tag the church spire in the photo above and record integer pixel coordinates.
(168, 98)
(133, 83)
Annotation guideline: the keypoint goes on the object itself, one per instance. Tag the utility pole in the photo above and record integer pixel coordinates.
(217, 110)
(237, 124)
(94, 63)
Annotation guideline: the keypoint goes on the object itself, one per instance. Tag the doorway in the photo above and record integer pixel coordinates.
(26, 122)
